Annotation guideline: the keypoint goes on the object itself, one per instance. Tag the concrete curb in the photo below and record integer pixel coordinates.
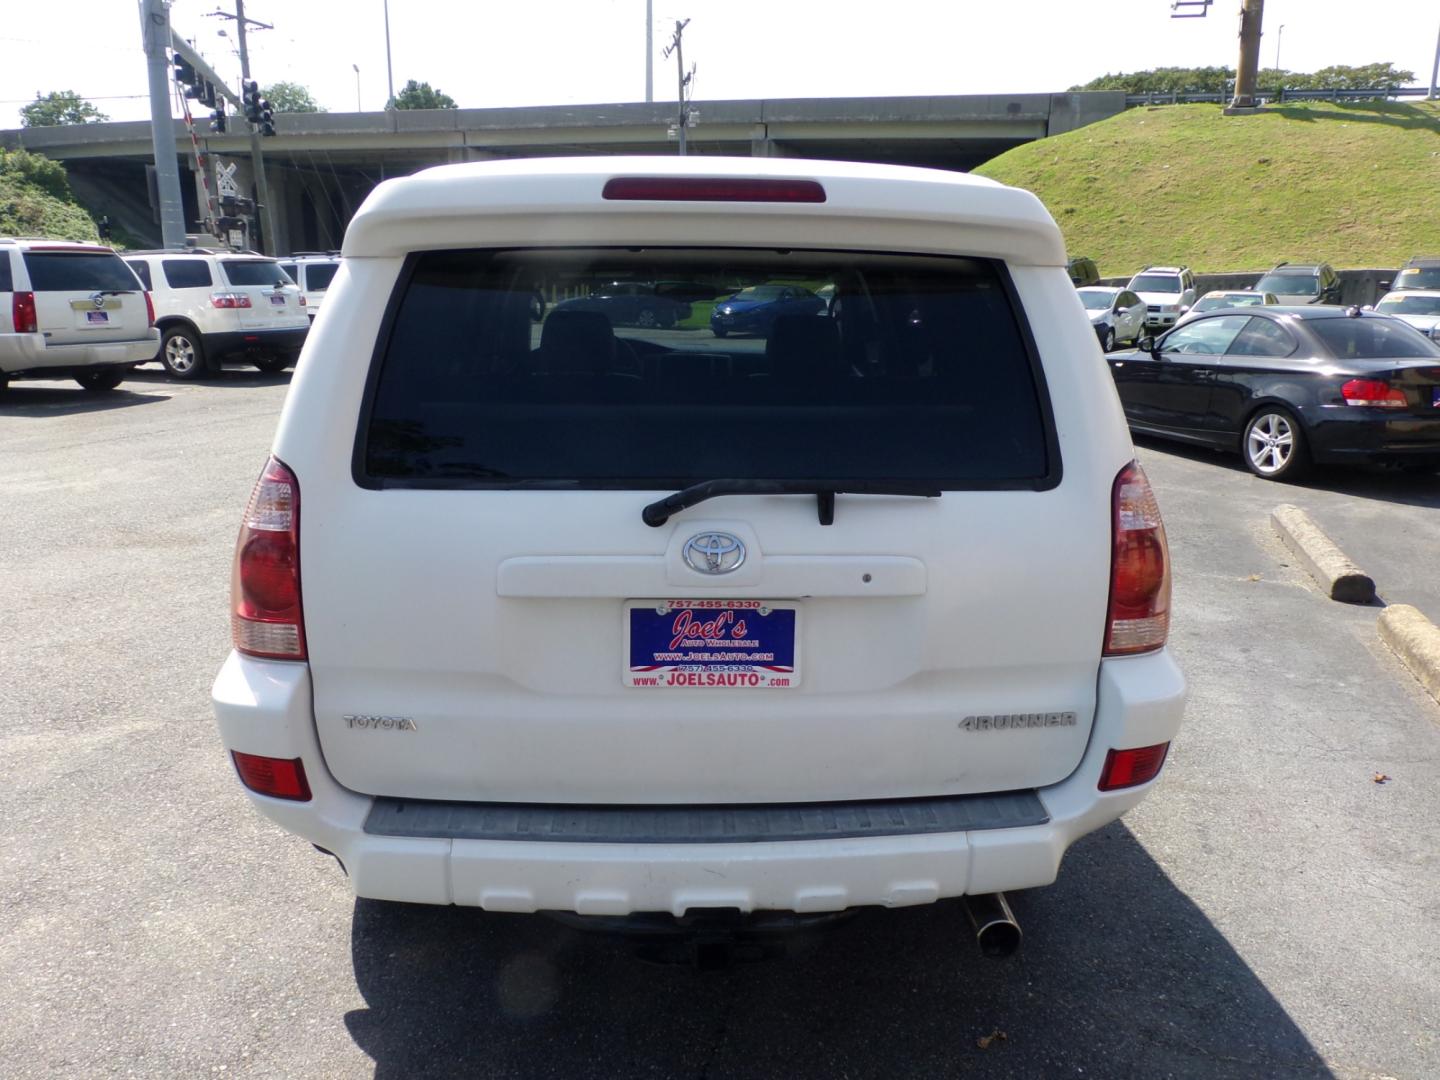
(1416, 640)
(1328, 565)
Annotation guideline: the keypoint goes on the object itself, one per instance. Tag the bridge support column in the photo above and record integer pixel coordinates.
(761, 145)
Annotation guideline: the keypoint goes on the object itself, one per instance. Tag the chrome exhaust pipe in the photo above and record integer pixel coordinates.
(996, 931)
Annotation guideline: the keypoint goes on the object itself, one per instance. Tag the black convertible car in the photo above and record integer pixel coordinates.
(1289, 387)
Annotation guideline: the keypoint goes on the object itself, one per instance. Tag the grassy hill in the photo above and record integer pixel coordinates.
(1352, 184)
(35, 200)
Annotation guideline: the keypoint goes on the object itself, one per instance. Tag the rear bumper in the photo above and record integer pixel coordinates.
(22, 354)
(1347, 434)
(287, 339)
(264, 708)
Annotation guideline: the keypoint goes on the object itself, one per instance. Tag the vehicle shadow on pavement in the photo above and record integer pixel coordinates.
(43, 400)
(228, 377)
(1386, 485)
(1121, 976)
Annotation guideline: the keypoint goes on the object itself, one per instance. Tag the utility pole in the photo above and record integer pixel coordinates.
(1246, 71)
(257, 160)
(684, 79)
(155, 34)
(649, 50)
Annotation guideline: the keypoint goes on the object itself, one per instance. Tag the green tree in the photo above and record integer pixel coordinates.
(290, 97)
(59, 107)
(1221, 80)
(421, 95)
(1172, 80)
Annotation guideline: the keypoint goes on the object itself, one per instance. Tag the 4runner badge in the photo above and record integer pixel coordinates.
(388, 723)
(1015, 721)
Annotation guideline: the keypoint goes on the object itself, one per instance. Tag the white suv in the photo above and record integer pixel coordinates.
(216, 305)
(868, 610)
(312, 271)
(71, 310)
(1168, 292)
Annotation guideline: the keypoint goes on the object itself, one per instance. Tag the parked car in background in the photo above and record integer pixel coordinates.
(1082, 271)
(312, 271)
(1421, 272)
(71, 311)
(778, 627)
(1288, 387)
(1116, 314)
(1214, 301)
(1302, 283)
(1419, 308)
(754, 310)
(631, 303)
(1168, 292)
(212, 306)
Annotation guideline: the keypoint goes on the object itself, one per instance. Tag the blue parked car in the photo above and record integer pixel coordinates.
(631, 303)
(754, 310)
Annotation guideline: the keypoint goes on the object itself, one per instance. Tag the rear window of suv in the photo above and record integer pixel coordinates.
(1157, 283)
(319, 275)
(82, 271)
(919, 371)
(254, 272)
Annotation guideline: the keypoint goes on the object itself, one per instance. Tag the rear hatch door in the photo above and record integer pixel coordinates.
(489, 618)
(274, 298)
(86, 295)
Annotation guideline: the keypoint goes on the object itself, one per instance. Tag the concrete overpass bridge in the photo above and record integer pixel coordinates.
(320, 166)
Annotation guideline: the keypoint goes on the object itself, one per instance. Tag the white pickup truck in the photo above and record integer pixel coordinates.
(869, 609)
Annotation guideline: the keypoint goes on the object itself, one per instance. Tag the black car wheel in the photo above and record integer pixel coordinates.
(647, 318)
(719, 331)
(1107, 339)
(96, 381)
(1274, 446)
(272, 363)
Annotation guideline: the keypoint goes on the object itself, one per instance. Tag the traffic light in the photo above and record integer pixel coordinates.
(217, 121)
(207, 94)
(267, 118)
(250, 95)
(185, 75)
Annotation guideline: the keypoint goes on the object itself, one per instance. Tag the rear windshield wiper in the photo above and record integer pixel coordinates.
(660, 511)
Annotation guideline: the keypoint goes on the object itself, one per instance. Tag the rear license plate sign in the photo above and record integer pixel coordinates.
(97, 318)
(693, 644)
(277, 301)
(1436, 397)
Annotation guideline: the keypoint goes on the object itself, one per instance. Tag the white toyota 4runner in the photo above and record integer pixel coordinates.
(869, 610)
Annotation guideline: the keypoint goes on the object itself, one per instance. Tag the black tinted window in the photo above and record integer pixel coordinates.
(319, 275)
(142, 271)
(6, 283)
(1371, 339)
(291, 272)
(187, 273)
(254, 272)
(918, 372)
(54, 271)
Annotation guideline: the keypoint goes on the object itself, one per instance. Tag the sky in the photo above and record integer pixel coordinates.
(554, 52)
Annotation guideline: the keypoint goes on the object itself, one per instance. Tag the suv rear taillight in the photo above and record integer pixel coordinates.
(280, 778)
(1374, 392)
(149, 310)
(229, 300)
(265, 618)
(1139, 616)
(1130, 768)
(22, 313)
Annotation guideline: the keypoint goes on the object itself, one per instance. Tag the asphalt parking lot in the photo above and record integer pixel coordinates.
(1270, 911)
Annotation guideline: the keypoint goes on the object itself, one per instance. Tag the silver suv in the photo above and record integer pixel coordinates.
(71, 310)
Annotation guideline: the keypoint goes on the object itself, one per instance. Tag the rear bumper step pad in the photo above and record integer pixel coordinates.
(732, 824)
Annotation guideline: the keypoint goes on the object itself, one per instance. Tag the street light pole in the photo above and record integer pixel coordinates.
(649, 50)
(155, 30)
(1435, 73)
(389, 74)
(357, 87)
(1279, 34)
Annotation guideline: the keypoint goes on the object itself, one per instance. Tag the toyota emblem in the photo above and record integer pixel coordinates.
(714, 553)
